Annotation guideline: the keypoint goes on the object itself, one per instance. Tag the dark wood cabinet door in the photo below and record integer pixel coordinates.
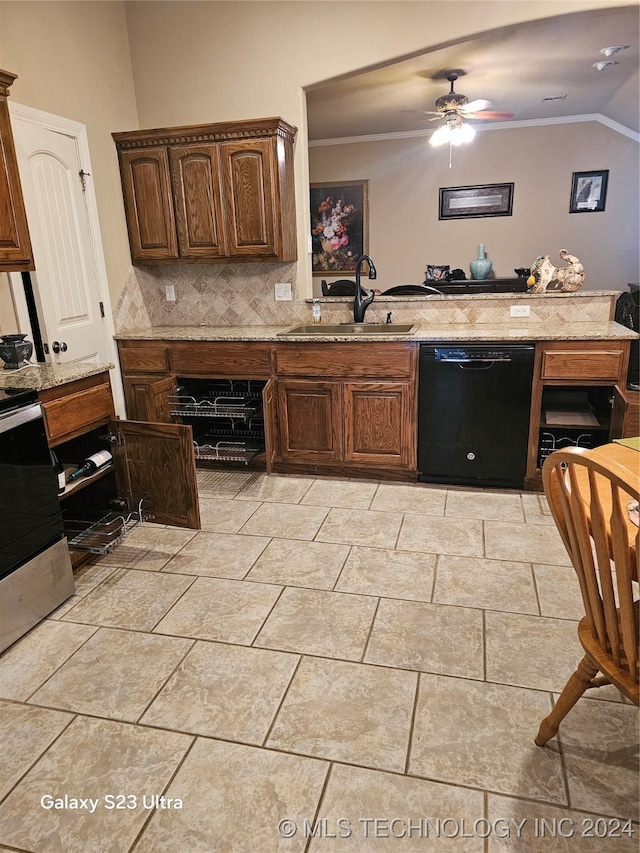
(377, 424)
(195, 177)
(251, 198)
(15, 244)
(270, 415)
(155, 464)
(309, 415)
(147, 398)
(146, 186)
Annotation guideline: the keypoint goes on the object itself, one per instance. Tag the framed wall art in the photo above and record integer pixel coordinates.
(476, 201)
(588, 191)
(339, 225)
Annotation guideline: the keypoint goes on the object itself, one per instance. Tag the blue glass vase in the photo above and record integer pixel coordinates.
(481, 266)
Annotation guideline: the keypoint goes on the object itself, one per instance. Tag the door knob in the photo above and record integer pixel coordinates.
(59, 346)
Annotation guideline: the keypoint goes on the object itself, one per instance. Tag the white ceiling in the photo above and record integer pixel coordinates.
(513, 67)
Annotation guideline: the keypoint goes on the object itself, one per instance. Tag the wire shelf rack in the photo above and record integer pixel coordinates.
(214, 449)
(101, 535)
(240, 408)
(550, 442)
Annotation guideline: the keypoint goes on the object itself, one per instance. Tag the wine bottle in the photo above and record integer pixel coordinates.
(91, 464)
(58, 467)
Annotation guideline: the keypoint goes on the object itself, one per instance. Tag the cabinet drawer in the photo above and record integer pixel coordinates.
(71, 414)
(244, 359)
(373, 360)
(585, 362)
(143, 357)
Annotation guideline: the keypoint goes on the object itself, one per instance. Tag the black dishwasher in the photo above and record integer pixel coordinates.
(473, 413)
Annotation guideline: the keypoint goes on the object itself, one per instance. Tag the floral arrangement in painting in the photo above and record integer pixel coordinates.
(336, 227)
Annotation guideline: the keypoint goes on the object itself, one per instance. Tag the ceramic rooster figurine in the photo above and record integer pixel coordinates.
(545, 277)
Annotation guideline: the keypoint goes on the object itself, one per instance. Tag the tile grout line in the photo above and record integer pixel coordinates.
(414, 712)
(40, 755)
(318, 808)
(370, 631)
(285, 693)
(172, 777)
(166, 680)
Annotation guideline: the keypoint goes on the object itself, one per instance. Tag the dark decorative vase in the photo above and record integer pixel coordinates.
(15, 351)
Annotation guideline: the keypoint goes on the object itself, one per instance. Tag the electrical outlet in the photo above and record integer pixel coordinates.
(519, 311)
(283, 292)
(170, 292)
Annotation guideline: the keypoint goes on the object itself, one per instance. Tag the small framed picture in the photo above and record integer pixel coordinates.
(588, 191)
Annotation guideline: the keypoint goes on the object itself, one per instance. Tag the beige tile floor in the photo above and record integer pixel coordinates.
(329, 665)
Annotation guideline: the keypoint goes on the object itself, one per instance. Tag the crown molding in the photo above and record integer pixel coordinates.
(496, 125)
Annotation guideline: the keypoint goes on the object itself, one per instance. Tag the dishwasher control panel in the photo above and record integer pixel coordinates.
(459, 354)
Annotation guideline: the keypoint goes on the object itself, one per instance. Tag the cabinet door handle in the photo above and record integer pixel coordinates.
(59, 346)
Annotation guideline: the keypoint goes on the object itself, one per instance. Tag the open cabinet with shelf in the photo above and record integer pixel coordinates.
(226, 416)
(151, 475)
(574, 416)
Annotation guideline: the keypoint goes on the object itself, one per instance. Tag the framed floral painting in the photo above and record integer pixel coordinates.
(339, 226)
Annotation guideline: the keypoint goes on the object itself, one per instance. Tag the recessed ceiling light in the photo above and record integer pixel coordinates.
(616, 48)
(606, 63)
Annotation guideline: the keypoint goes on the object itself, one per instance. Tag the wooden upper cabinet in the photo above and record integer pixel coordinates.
(251, 198)
(197, 192)
(210, 193)
(146, 186)
(15, 244)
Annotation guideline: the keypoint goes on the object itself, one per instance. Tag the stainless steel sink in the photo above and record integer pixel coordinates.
(350, 329)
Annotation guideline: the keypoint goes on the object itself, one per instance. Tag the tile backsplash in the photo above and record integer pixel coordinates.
(209, 295)
(243, 295)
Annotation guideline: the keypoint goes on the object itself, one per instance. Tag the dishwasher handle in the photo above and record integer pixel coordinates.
(475, 360)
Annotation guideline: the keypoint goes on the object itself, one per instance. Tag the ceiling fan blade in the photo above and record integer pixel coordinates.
(489, 114)
(478, 104)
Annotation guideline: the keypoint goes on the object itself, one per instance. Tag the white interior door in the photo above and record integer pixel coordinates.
(66, 286)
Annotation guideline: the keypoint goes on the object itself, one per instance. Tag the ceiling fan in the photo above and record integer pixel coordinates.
(453, 108)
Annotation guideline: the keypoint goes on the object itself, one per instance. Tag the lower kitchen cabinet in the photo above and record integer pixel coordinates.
(626, 413)
(151, 475)
(359, 418)
(576, 398)
(310, 421)
(350, 409)
(147, 397)
(378, 425)
(357, 425)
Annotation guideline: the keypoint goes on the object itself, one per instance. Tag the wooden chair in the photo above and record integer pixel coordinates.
(589, 502)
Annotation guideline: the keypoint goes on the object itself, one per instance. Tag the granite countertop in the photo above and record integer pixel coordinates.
(39, 377)
(522, 331)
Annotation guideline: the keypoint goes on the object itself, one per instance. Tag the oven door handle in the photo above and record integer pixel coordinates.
(16, 418)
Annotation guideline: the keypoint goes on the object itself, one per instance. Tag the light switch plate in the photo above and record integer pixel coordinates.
(283, 292)
(519, 311)
(170, 292)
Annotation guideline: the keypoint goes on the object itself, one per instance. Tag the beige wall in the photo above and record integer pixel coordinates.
(195, 62)
(406, 175)
(72, 59)
(8, 319)
(115, 66)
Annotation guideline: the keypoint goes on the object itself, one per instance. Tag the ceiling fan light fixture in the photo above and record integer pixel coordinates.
(606, 63)
(462, 133)
(456, 133)
(440, 136)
